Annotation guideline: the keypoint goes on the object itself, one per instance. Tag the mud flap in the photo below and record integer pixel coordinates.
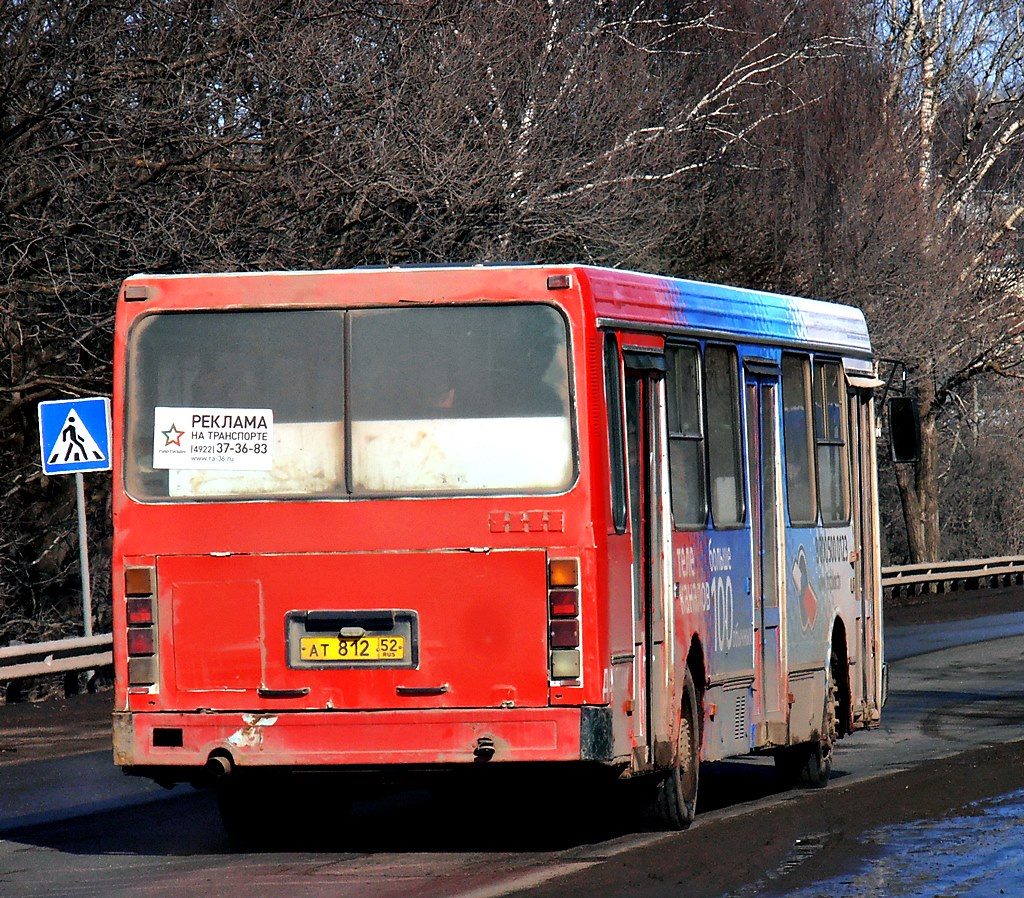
(596, 734)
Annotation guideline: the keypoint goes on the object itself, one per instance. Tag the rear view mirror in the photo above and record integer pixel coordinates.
(904, 429)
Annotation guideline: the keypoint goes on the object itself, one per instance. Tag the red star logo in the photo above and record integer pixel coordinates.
(173, 436)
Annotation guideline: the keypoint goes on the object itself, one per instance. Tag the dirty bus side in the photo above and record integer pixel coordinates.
(437, 519)
(744, 527)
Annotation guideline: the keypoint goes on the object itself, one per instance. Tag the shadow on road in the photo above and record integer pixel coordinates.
(317, 816)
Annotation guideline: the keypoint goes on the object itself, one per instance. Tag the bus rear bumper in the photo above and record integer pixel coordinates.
(361, 739)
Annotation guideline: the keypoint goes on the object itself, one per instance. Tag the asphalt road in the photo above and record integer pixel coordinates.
(73, 826)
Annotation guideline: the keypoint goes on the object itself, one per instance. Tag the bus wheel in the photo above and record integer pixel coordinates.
(818, 766)
(675, 802)
(810, 764)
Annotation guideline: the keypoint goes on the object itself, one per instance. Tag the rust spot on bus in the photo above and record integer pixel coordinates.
(250, 735)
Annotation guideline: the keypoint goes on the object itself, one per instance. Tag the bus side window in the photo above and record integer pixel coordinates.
(613, 396)
(686, 438)
(830, 436)
(725, 459)
(799, 437)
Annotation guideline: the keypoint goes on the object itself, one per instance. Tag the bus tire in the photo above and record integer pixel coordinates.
(810, 764)
(817, 767)
(675, 802)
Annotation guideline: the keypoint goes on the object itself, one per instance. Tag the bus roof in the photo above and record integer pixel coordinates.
(715, 309)
(633, 298)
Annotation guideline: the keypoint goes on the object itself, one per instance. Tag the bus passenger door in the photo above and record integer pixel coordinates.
(866, 686)
(644, 464)
(762, 413)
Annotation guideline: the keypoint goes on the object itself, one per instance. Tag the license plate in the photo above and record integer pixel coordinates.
(361, 648)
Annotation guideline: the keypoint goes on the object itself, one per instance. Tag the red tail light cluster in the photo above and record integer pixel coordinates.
(140, 641)
(564, 618)
(140, 613)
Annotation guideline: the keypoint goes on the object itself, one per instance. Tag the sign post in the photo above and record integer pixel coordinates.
(74, 437)
(83, 557)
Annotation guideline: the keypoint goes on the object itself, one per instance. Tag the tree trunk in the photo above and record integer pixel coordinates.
(919, 485)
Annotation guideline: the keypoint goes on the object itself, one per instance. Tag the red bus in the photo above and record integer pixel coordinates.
(424, 519)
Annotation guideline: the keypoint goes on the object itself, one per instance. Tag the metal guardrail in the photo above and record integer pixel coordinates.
(947, 576)
(89, 652)
(56, 656)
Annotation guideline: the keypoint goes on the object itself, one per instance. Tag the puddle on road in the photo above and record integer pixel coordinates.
(980, 853)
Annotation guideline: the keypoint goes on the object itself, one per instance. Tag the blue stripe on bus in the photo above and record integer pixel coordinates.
(751, 314)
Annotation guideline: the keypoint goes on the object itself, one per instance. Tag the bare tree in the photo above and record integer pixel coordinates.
(955, 97)
(172, 135)
(982, 473)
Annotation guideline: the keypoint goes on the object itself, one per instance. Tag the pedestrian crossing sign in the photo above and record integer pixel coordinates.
(74, 435)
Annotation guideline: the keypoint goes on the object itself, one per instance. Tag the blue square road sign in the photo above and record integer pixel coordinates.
(74, 435)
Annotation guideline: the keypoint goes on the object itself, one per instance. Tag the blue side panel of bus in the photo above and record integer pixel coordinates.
(714, 569)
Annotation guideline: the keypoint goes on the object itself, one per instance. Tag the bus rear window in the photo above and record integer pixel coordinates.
(252, 404)
(474, 398)
(200, 385)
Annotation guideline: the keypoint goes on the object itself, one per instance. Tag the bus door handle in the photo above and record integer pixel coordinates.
(263, 692)
(423, 690)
